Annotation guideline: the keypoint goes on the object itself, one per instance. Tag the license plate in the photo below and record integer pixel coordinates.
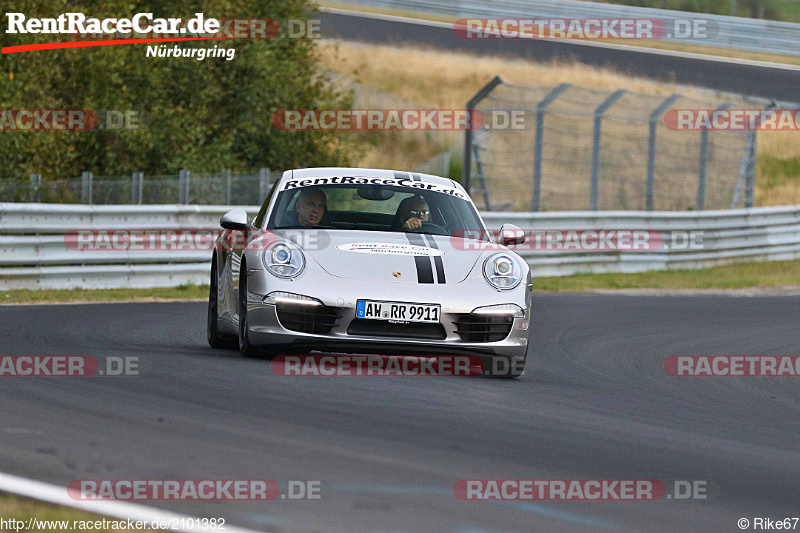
(398, 311)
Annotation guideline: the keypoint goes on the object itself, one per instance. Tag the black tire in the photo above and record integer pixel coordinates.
(214, 337)
(245, 347)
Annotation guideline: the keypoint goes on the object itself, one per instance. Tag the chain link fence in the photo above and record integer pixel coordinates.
(586, 149)
(219, 188)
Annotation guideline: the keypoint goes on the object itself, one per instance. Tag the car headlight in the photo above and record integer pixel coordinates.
(284, 260)
(502, 271)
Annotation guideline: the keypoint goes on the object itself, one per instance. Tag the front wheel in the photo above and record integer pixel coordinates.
(215, 339)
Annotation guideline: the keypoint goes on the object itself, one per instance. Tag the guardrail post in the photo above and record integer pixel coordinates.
(701, 179)
(264, 176)
(537, 157)
(86, 187)
(651, 148)
(227, 172)
(36, 185)
(183, 187)
(598, 125)
(468, 133)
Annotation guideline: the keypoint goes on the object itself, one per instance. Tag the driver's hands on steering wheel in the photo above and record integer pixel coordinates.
(412, 223)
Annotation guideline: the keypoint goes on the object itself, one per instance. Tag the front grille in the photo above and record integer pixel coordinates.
(381, 328)
(305, 319)
(483, 328)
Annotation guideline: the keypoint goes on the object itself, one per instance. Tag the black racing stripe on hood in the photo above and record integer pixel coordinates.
(437, 260)
(423, 263)
(401, 175)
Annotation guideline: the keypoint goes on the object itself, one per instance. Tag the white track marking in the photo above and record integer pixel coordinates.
(38, 490)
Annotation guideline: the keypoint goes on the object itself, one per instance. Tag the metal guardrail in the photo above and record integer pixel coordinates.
(755, 35)
(735, 235)
(33, 252)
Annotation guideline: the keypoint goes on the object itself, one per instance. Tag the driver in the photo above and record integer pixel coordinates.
(311, 206)
(411, 213)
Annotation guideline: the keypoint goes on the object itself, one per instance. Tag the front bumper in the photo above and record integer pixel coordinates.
(266, 329)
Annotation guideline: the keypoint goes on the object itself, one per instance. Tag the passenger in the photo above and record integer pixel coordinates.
(411, 213)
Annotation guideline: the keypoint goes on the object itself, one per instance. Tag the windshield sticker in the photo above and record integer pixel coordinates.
(390, 249)
(349, 180)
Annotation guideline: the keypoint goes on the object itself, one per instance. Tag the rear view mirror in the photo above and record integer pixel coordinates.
(375, 192)
(234, 219)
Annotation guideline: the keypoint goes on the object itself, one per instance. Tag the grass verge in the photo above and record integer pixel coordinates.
(775, 275)
(24, 509)
(163, 294)
(766, 275)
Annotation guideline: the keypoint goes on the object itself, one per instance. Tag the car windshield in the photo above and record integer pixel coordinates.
(374, 206)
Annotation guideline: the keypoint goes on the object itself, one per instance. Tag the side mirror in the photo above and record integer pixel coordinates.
(511, 234)
(235, 219)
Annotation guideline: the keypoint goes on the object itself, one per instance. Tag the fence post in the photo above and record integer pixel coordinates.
(481, 177)
(701, 179)
(598, 124)
(651, 148)
(537, 157)
(86, 187)
(183, 187)
(750, 186)
(227, 172)
(136, 187)
(140, 199)
(264, 175)
(468, 133)
(746, 173)
(36, 184)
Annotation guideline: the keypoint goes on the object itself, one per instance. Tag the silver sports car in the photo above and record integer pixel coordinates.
(370, 261)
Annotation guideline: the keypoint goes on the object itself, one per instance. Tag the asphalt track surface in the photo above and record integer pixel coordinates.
(595, 403)
(772, 83)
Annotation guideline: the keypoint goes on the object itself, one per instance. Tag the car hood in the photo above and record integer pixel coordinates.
(389, 256)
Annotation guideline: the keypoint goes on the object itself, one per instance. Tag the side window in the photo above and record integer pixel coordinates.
(259, 221)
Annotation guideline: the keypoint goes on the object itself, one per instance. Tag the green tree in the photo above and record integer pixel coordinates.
(201, 115)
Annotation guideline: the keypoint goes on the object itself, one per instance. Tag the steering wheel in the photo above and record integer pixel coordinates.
(429, 227)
